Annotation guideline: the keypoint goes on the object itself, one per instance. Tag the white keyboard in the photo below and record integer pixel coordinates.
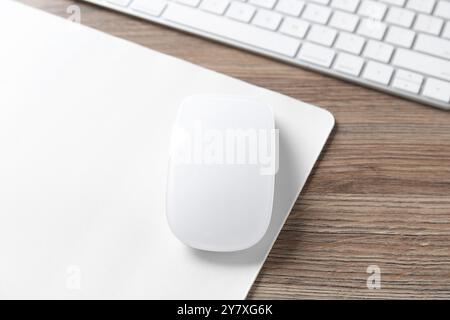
(398, 46)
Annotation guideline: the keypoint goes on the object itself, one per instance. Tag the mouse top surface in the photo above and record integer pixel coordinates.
(221, 173)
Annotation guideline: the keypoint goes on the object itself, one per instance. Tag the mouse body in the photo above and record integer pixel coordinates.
(221, 174)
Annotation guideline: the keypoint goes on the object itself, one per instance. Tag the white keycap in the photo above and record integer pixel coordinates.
(371, 28)
(437, 89)
(378, 51)
(290, 7)
(400, 17)
(316, 54)
(122, 3)
(433, 45)
(322, 35)
(349, 64)
(400, 36)
(372, 9)
(407, 81)
(316, 13)
(324, 2)
(240, 11)
(422, 63)
(344, 21)
(264, 3)
(377, 72)
(192, 3)
(294, 27)
(446, 32)
(399, 3)
(349, 42)
(347, 5)
(425, 6)
(428, 24)
(154, 8)
(228, 28)
(215, 6)
(267, 19)
(442, 9)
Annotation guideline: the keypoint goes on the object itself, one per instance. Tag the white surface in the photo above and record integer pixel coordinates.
(220, 187)
(283, 28)
(85, 122)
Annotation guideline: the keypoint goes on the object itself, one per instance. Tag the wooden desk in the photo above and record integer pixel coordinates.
(380, 193)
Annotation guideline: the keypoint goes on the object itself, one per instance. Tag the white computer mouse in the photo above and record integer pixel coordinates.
(223, 161)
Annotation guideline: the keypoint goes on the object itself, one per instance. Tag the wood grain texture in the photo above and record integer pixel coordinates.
(380, 193)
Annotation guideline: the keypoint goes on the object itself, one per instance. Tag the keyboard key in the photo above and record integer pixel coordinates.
(122, 3)
(324, 2)
(228, 28)
(349, 42)
(407, 81)
(399, 3)
(433, 45)
(422, 63)
(442, 9)
(192, 3)
(372, 28)
(316, 54)
(349, 64)
(446, 32)
(372, 9)
(378, 51)
(428, 24)
(344, 21)
(347, 5)
(378, 72)
(290, 7)
(268, 4)
(437, 89)
(240, 11)
(215, 6)
(267, 19)
(425, 6)
(154, 8)
(316, 13)
(294, 27)
(400, 17)
(400, 36)
(322, 35)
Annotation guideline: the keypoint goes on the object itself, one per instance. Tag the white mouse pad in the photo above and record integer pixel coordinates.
(85, 123)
